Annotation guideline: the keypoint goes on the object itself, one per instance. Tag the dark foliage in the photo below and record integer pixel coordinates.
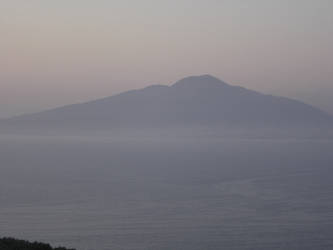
(14, 244)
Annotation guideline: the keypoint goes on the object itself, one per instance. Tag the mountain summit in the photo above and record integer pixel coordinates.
(193, 101)
(203, 81)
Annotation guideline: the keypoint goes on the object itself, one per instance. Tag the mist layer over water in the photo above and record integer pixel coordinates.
(167, 193)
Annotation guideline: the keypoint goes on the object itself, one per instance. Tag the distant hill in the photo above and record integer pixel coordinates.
(193, 101)
(14, 244)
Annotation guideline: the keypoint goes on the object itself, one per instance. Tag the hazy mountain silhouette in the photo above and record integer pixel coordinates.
(193, 101)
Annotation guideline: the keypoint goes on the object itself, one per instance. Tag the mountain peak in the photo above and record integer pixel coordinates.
(199, 81)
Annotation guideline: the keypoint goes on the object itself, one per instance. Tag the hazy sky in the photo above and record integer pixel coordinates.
(55, 52)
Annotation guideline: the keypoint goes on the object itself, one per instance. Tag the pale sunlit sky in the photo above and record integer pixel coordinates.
(57, 52)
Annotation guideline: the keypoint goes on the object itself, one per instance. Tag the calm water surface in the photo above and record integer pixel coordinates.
(96, 193)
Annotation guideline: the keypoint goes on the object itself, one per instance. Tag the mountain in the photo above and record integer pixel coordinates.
(193, 101)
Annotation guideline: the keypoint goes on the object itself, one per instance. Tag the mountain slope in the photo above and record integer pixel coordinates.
(193, 101)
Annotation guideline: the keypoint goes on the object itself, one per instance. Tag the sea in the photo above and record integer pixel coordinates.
(94, 192)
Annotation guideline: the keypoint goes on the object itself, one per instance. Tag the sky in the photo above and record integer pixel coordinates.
(57, 52)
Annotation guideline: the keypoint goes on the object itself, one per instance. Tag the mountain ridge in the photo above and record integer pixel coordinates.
(202, 100)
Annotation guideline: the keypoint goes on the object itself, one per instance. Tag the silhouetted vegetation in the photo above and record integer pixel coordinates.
(14, 244)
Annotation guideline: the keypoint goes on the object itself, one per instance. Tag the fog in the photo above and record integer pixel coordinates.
(167, 125)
